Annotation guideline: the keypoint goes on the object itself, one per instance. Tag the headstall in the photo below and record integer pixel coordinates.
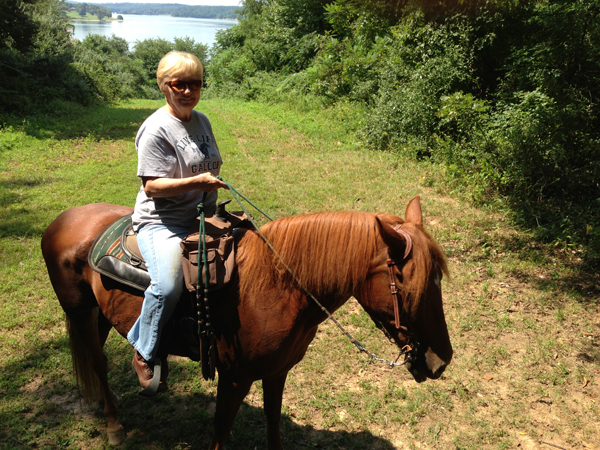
(391, 263)
(409, 351)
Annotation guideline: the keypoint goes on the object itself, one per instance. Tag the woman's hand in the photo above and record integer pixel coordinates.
(209, 182)
(168, 187)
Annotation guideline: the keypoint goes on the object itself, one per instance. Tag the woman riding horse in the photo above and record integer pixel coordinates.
(178, 160)
(263, 321)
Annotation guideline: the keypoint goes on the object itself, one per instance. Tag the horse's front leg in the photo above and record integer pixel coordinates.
(229, 398)
(272, 397)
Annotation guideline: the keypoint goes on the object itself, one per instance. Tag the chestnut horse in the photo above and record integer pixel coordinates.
(264, 321)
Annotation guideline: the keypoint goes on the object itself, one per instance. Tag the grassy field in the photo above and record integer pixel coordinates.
(523, 316)
(74, 15)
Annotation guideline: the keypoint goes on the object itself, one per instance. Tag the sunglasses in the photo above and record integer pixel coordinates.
(180, 86)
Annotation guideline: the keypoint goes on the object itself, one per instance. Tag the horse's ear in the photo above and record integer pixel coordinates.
(413, 211)
(390, 236)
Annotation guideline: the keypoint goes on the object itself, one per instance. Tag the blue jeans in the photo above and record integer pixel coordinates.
(159, 245)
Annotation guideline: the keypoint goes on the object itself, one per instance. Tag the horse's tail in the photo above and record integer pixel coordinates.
(84, 334)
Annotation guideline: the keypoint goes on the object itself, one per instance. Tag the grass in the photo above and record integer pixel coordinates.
(523, 316)
(74, 15)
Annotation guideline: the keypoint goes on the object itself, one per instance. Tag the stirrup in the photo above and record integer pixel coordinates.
(152, 389)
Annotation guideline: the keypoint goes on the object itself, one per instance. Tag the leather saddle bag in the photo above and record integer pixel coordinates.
(220, 250)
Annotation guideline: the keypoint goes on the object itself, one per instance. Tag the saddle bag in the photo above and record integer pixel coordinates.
(220, 249)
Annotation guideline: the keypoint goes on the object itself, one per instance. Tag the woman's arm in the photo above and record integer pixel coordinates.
(168, 187)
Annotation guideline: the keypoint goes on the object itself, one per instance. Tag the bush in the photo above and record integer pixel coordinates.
(149, 52)
(417, 67)
(111, 74)
(36, 68)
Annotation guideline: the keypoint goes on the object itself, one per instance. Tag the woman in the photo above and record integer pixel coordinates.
(178, 160)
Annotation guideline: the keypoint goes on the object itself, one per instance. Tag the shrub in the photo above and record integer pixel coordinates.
(111, 74)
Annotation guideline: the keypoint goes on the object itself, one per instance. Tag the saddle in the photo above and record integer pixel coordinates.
(115, 252)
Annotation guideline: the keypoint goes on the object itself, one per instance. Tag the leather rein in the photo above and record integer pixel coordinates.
(410, 350)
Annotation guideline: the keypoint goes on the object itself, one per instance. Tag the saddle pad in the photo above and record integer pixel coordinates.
(108, 257)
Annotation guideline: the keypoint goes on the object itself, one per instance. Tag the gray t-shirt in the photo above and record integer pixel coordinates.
(170, 148)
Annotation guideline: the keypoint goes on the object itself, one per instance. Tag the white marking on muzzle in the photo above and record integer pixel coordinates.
(434, 362)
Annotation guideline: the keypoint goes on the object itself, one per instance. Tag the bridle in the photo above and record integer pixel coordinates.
(410, 349)
(391, 263)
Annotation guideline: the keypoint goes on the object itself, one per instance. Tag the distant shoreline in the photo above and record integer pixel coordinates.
(96, 20)
(131, 14)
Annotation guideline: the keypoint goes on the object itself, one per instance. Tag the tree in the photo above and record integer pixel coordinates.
(188, 44)
(17, 27)
(149, 52)
(82, 9)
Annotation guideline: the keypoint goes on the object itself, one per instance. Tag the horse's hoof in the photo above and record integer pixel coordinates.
(116, 436)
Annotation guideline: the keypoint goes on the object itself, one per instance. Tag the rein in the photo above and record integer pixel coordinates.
(205, 329)
(408, 350)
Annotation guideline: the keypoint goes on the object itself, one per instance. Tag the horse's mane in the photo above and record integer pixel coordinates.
(328, 252)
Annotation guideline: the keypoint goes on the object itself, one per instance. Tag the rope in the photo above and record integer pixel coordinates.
(353, 340)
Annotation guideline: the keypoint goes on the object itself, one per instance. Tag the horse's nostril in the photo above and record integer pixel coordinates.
(435, 364)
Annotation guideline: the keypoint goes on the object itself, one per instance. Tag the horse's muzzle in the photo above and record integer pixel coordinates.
(426, 365)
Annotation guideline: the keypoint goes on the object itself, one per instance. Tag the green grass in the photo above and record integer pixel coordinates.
(75, 16)
(523, 317)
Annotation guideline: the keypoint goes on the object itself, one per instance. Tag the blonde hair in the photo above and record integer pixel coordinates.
(178, 64)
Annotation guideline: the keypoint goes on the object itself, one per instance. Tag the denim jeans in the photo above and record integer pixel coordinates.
(159, 245)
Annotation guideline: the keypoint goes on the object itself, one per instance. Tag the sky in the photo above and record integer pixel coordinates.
(183, 2)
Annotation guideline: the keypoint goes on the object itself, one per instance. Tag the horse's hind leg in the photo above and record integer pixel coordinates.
(272, 395)
(88, 331)
(114, 430)
(229, 398)
(65, 246)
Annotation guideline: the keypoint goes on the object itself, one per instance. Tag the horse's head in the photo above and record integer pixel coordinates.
(409, 258)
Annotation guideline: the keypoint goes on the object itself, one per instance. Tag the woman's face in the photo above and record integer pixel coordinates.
(182, 94)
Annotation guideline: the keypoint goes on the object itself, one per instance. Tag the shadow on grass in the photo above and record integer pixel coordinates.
(110, 122)
(41, 408)
(20, 221)
(569, 275)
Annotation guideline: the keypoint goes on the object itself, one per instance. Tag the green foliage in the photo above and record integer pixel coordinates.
(417, 65)
(505, 95)
(17, 27)
(97, 11)
(36, 70)
(206, 12)
(175, 10)
(274, 36)
(108, 70)
(149, 52)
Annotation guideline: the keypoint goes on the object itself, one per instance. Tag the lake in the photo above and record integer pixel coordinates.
(135, 27)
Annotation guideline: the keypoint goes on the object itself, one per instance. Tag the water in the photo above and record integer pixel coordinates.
(135, 27)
